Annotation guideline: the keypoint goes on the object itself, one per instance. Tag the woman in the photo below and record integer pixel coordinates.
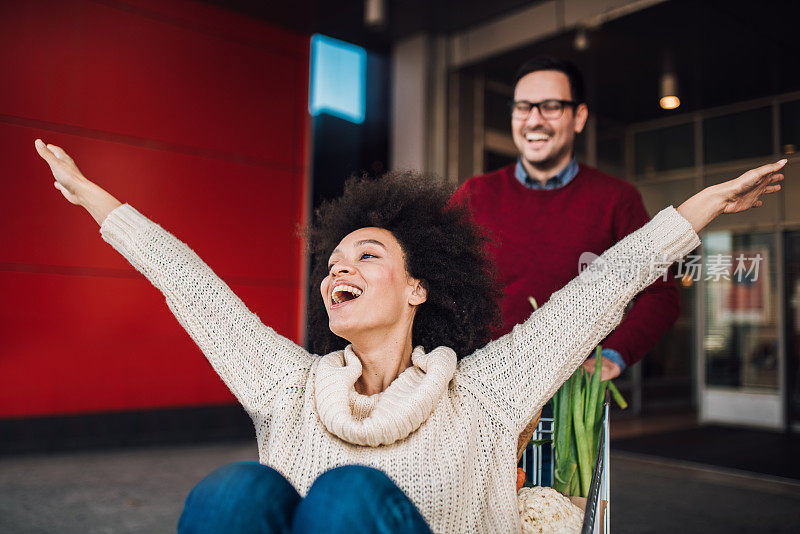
(391, 432)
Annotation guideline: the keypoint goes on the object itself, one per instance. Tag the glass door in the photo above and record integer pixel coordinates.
(741, 342)
(792, 306)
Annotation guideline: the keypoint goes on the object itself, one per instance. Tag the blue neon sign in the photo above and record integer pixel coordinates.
(338, 79)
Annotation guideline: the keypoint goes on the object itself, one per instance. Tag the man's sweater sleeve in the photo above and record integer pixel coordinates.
(520, 371)
(462, 194)
(655, 309)
(251, 358)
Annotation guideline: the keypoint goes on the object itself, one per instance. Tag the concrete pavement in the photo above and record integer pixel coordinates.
(142, 490)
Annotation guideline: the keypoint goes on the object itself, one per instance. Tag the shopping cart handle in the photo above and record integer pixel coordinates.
(593, 498)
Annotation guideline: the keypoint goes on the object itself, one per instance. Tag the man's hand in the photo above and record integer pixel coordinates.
(608, 369)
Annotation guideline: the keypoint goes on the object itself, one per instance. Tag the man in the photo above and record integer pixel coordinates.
(547, 210)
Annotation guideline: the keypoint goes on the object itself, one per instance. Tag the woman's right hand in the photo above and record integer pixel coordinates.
(75, 187)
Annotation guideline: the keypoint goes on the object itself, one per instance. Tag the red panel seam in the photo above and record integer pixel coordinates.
(200, 28)
(143, 142)
(107, 272)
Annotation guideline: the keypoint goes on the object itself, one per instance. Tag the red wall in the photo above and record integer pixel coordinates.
(193, 115)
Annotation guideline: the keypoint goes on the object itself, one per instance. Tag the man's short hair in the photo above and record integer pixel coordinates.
(561, 65)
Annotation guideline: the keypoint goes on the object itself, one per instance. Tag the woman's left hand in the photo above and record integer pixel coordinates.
(733, 196)
(743, 192)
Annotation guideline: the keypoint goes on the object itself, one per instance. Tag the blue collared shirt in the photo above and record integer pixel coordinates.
(556, 182)
(614, 356)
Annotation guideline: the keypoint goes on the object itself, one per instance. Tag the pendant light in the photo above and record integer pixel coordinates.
(669, 91)
(375, 13)
(668, 94)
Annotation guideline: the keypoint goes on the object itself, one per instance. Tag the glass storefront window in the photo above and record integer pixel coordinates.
(769, 213)
(790, 126)
(792, 303)
(659, 195)
(746, 134)
(664, 149)
(740, 333)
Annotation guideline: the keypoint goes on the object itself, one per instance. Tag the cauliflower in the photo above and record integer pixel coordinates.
(545, 511)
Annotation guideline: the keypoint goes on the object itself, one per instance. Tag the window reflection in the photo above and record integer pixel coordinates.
(790, 126)
(792, 248)
(740, 135)
(741, 332)
(664, 149)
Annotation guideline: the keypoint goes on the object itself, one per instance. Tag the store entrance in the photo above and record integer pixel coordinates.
(792, 306)
(741, 345)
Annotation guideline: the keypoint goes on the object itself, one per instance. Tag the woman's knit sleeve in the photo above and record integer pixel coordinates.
(252, 360)
(521, 371)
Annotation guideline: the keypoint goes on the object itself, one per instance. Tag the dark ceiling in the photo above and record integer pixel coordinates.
(344, 19)
(724, 50)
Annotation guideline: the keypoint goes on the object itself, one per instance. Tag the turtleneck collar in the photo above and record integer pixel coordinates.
(386, 417)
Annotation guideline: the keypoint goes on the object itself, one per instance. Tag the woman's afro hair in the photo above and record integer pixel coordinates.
(443, 249)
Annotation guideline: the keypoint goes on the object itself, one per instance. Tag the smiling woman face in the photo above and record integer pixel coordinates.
(367, 289)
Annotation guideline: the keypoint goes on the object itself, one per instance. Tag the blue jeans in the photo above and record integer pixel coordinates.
(247, 497)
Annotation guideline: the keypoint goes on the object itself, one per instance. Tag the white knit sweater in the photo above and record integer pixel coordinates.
(444, 431)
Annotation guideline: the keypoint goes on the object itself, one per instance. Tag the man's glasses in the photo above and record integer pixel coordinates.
(550, 109)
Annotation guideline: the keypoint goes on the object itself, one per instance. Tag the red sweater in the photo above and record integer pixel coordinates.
(540, 234)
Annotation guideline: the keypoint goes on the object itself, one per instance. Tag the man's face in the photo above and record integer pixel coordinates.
(546, 144)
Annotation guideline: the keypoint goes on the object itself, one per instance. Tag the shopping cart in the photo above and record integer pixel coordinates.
(537, 458)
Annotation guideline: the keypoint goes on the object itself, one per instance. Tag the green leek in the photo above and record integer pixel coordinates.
(578, 415)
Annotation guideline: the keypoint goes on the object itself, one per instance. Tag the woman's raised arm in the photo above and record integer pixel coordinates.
(254, 362)
(519, 372)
